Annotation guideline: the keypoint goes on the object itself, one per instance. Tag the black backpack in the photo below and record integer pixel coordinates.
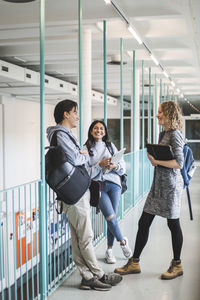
(69, 182)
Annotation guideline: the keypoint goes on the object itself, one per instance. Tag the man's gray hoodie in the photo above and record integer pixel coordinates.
(72, 150)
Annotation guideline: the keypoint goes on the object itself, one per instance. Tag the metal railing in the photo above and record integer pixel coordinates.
(19, 233)
(19, 242)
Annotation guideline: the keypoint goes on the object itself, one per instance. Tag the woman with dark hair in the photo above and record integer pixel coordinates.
(164, 198)
(108, 174)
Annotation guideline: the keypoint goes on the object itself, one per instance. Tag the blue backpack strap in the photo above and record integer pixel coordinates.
(183, 170)
(188, 161)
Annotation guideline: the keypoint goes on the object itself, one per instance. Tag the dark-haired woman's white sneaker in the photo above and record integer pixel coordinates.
(126, 249)
(109, 257)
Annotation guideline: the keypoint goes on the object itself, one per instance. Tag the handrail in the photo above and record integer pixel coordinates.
(21, 185)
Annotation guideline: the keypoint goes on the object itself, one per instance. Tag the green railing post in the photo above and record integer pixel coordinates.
(133, 116)
(105, 94)
(168, 97)
(46, 231)
(14, 241)
(1, 256)
(121, 114)
(160, 90)
(164, 92)
(7, 250)
(133, 132)
(161, 99)
(42, 200)
(149, 119)
(80, 16)
(121, 97)
(149, 139)
(156, 109)
(105, 71)
(142, 128)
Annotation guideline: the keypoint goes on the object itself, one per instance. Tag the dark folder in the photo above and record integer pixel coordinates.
(160, 152)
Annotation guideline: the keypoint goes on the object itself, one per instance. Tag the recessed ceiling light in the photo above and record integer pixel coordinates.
(107, 1)
(19, 58)
(116, 60)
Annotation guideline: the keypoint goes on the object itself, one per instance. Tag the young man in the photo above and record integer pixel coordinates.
(93, 277)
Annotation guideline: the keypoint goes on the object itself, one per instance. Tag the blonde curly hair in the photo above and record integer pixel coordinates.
(172, 112)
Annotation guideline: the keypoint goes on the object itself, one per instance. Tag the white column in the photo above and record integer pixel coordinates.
(86, 81)
(1, 147)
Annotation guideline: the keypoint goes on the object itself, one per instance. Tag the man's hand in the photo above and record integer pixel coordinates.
(83, 151)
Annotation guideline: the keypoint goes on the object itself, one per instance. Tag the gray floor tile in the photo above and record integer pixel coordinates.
(155, 259)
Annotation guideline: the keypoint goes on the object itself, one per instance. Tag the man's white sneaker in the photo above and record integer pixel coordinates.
(110, 259)
(126, 249)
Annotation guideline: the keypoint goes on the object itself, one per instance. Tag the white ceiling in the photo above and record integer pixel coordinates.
(170, 29)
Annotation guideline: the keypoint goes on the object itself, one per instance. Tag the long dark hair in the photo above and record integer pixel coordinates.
(91, 141)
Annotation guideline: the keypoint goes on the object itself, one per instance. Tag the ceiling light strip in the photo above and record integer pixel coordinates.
(134, 33)
(119, 11)
(165, 74)
(154, 59)
(147, 48)
(139, 40)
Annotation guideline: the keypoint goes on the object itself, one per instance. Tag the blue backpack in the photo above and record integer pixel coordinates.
(187, 172)
(188, 168)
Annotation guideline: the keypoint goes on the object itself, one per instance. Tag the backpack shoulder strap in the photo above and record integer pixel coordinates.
(110, 148)
(54, 138)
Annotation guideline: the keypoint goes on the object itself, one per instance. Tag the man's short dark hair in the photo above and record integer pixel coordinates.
(61, 107)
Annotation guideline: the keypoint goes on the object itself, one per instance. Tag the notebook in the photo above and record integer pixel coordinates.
(117, 156)
(160, 152)
(115, 159)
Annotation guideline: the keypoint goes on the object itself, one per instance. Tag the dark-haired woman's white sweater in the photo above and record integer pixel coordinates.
(100, 152)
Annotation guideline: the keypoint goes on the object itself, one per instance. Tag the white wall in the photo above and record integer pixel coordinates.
(22, 140)
(113, 112)
(1, 147)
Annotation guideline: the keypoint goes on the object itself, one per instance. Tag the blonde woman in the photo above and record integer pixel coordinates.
(164, 198)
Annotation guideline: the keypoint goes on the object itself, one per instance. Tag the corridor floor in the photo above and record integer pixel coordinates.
(155, 259)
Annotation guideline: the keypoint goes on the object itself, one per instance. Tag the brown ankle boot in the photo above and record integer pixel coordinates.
(174, 270)
(131, 267)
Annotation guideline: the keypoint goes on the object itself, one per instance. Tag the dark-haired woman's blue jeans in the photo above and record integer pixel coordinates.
(108, 203)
